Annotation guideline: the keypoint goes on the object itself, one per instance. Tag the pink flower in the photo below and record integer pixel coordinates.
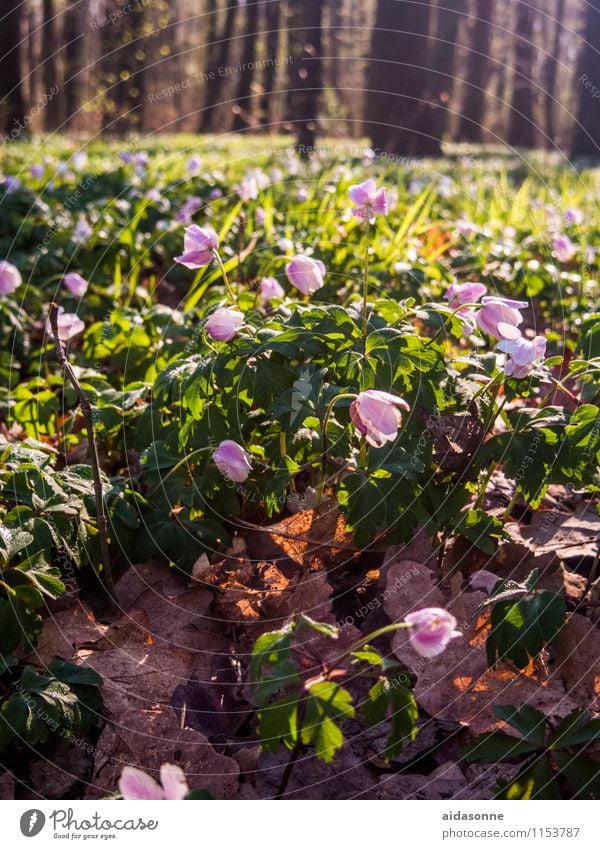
(10, 277)
(232, 461)
(305, 274)
(191, 205)
(376, 415)
(522, 353)
(564, 249)
(193, 165)
(199, 245)
(431, 629)
(458, 294)
(135, 785)
(464, 228)
(224, 324)
(500, 317)
(76, 284)
(69, 325)
(370, 201)
(269, 289)
(573, 216)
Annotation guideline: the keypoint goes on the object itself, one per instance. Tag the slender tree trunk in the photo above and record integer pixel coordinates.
(243, 108)
(433, 113)
(478, 74)
(522, 130)
(12, 107)
(396, 81)
(49, 60)
(214, 83)
(551, 74)
(308, 78)
(272, 16)
(74, 60)
(586, 139)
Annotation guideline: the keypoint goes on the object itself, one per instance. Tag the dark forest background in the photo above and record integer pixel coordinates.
(409, 75)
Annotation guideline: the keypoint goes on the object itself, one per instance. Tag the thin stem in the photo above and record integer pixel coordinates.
(287, 773)
(230, 291)
(366, 283)
(510, 505)
(563, 388)
(86, 409)
(365, 640)
(177, 466)
(328, 412)
(447, 319)
(484, 486)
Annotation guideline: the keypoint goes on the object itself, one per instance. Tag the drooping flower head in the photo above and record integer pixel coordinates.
(136, 785)
(564, 249)
(10, 278)
(376, 415)
(459, 294)
(370, 201)
(75, 284)
(69, 325)
(431, 629)
(500, 317)
(306, 274)
(224, 323)
(199, 245)
(270, 289)
(522, 353)
(232, 461)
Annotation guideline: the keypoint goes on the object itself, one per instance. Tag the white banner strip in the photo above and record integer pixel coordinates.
(301, 824)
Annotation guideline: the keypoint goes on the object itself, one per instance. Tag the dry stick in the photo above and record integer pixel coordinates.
(86, 409)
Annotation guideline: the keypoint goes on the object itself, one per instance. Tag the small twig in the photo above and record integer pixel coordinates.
(86, 409)
(298, 745)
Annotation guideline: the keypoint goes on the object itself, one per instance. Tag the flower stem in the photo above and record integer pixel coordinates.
(447, 319)
(366, 283)
(230, 291)
(328, 412)
(365, 640)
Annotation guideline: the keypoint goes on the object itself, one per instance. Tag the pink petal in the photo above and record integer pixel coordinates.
(173, 781)
(135, 785)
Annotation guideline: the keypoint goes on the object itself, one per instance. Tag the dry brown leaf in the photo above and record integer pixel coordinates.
(149, 738)
(578, 660)
(457, 685)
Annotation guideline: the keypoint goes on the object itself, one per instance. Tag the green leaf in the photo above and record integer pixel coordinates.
(536, 781)
(271, 667)
(497, 746)
(583, 774)
(389, 698)
(520, 629)
(278, 723)
(326, 705)
(528, 721)
(575, 729)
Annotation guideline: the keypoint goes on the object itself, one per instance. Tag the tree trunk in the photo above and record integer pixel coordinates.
(243, 108)
(50, 69)
(214, 73)
(308, 78)
(551, 73)
(12, 108)
(586, 139)
(396, 79)
(272, 10)
(433, 112)
(74, 29)
(478, 74)
(522, 130)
